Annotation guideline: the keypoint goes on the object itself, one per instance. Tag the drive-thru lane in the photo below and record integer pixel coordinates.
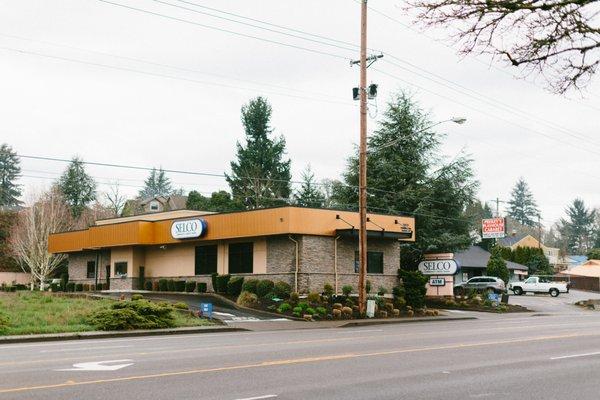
(493, 357)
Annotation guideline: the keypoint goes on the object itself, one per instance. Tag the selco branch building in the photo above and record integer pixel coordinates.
(305, 247)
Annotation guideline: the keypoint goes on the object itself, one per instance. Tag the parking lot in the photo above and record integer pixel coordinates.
(563, 304)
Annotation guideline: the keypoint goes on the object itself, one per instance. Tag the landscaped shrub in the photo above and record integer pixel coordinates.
(170, 285)
(264, 287)
(250, 285)
(213, 280)
(284, 307)
(313, 298)
(414, 288)
(136, 296)
(4, 322)
(163, 285)
(79, 287)
(282, 290)
(155, 286)
(247, 299)
(303, 305)
(148, 285)
(180, 305)
(336, 313)
(70, 286)
(222, 281)
(294, 298)
(180, 286)
(64, 279)
(100, 286)
(347, 312)
(190, 286)
(234, 286)
(297, 310)
(382, 291)
(127, 315)
(398, 291)
(368, 286)
(55, 287)
(328, 290)
(346, 290)
(310, 311)
(322, 311)
(201, 287)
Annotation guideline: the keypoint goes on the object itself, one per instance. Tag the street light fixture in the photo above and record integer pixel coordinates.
(456, 120)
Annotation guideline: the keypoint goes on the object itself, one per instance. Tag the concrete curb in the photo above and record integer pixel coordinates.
(116, 334)
(363, 322)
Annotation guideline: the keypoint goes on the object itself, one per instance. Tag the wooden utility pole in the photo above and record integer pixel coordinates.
(362, 195)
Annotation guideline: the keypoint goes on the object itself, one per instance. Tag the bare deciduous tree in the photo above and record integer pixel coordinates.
(560, 39)
(115, 199)
(47, 214)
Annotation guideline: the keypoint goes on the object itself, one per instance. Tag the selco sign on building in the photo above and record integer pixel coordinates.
(188, 229)
(438, 267)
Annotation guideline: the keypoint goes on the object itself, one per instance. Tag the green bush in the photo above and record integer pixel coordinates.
(284, 307)
(234, 286)
(55, 287)
(294, 298)
(322, 311)
(382, 291)
(180, 286)
(346, 290)
(297, 310)
(137, 296)
(303, 305)
(64, 279)
(213, 280)
(282, 290)
(247, 299)
(313, 298)
(310, 311)
(201, 287)
(163, 285)
(414, 288)
(170, 285)
(148, 285)
(190, 286)
(264, 287)
(70, 286)
(368, 286)
(328, 290)
(4, 322)
(180, 305)
(398, 291)
(496, 266)
(79, 287)
(127, 315)
(222, 281)
(250, 285)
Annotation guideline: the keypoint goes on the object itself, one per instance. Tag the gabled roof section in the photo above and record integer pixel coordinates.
(476, 257)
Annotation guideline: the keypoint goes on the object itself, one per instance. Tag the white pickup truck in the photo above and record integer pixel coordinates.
(535, 284)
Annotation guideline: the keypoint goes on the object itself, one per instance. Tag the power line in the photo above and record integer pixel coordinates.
(155, 74)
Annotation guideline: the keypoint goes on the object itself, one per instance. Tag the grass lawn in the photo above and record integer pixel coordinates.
(35, 312)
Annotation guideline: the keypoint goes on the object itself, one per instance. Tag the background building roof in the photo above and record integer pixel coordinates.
(476, 257)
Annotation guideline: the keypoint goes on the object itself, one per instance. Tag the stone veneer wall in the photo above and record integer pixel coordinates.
(78, 266)
(317, 260)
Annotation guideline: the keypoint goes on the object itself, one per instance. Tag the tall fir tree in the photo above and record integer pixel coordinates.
(496, 266)
(260, 176)
(522, 206)
(10, 169)
(579, 228)
(309, 195)
(410, 177)
(157, 184)
(77, 187)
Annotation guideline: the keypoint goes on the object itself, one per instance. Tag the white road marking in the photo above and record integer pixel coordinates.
(576, 355)
(267, 396)
(98, 366)
(83, 349)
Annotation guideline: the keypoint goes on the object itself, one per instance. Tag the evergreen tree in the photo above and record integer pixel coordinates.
(522, 206)
(220, 201)
(410, 177)
(77, 187)
(496, 266)
(260, 177)
(157, 184)
(9, 172)
(578, 229)
(538, 264)
(309, 194)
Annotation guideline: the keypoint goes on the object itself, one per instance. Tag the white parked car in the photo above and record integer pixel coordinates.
(535, 284)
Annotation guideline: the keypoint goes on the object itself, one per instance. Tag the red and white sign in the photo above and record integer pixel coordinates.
(493, 228)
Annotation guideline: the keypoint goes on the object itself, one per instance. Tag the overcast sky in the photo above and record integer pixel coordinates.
(130, 112)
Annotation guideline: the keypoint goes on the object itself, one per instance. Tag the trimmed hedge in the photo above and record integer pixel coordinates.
(250, 285)
(163, 285)
(148, 285)
(213, 280)
(222, 281)
(190, 286)
(234, 286)
(170, 285)
(79, 287)
(201, 287)
(139, 314)
(180, 286)
(70, 286)
(282, 290)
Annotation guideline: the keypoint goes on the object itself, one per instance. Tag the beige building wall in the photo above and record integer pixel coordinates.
(121, 254)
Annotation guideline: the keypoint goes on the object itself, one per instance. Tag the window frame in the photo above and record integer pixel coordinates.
(197, 264)
(90, 274)
(369, 255)
(246, 267)
(120, 264)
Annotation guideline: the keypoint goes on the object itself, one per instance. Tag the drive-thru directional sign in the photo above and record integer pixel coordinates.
(99, 366)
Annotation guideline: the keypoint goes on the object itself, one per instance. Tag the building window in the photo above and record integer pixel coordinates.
(91, 269)
(206, 260)
(154, 205)
(120, 268)
(374, 262)
(240, 258)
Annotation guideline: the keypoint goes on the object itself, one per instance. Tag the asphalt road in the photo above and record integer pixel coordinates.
(495, 357)
(563, 304)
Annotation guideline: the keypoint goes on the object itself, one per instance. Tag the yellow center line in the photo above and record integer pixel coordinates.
(304, 360)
